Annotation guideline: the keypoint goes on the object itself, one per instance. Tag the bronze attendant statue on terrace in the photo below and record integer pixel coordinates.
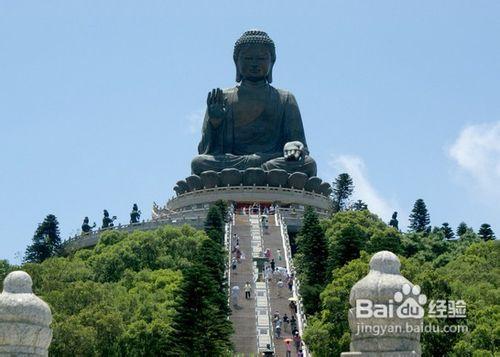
(253, 124)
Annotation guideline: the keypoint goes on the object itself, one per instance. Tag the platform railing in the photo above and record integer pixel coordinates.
(194, 217)
(228, 246)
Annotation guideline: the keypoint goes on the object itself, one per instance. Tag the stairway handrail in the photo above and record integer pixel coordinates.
(227, 245)
(302, 319)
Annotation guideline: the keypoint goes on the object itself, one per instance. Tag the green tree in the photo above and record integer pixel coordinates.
(462, 229)
(223, 207)
(419, 217)
(5, 268)
(213, 256)
(388, 239)
(311, 259)
(350, 232)
(346, 245)
(200, 327)
(359, 205)
(485, 232)
(214, 224)
(342, 190)
(447, 231)
(46, 241)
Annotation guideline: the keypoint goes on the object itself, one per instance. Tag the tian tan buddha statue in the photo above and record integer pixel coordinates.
(253, 124)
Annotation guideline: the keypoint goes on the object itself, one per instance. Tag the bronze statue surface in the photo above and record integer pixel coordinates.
(253, 124)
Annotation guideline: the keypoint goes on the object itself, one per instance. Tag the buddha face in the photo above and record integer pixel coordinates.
(254, 62)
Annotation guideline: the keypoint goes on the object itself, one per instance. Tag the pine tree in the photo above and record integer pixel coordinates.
(200, 327)
(212, 256)
(462, 229)
(419, 217)
(312, 258)
(485, 232)
(448, 232)
(359, 205)
(214, 225)
(342, 190)
(312, 248)
(46, 241)
(223, 208)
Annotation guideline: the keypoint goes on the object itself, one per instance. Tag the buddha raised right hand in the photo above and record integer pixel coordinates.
(216, 106)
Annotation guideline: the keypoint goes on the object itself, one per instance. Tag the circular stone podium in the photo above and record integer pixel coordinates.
(250, 194)
(292, 192)
(192, 207)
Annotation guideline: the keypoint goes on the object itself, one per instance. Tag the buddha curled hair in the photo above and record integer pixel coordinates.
(254, 37)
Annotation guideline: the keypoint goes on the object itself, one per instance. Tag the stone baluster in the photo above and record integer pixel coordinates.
(386, 312)
(24, 318)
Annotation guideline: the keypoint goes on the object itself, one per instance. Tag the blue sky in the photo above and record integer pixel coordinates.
(101, 102)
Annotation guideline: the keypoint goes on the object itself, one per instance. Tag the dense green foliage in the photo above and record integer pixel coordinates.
(466, 269)
(46, 241)
(130, 295)
(350, 232)
(5, 268)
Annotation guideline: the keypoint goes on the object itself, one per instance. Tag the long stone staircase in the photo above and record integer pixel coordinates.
(252, 318)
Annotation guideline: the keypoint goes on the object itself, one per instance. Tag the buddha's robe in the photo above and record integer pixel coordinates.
(259, 121)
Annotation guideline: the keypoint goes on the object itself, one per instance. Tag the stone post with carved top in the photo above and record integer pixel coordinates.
(24, 318)
(386, 311)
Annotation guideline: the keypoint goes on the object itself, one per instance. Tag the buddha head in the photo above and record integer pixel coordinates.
(254, 56)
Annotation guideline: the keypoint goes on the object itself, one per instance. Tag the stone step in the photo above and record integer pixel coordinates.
(251, 321)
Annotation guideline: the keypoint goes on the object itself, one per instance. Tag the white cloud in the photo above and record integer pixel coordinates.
(363, 189)
(476, 151)
(195, 121)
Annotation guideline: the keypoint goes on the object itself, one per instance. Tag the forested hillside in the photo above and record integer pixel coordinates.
(138, 294)
(466, 268)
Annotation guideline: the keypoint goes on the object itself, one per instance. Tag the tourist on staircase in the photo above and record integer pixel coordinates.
(277, 329)
(298, 341)
(234, 265)
(248, 290)
(235, 294)
(286, 321)
(279, 285)
(293, 324)
(288, 346)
